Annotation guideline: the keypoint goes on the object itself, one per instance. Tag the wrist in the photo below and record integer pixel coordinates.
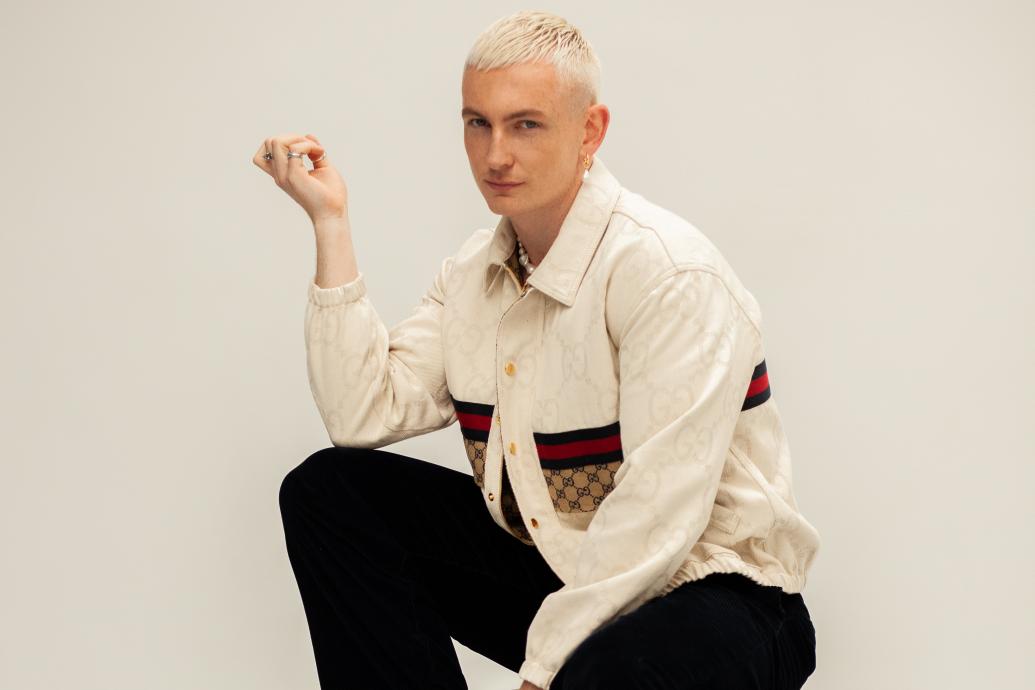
(332, 225)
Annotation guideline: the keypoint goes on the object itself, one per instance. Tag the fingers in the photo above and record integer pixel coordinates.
(283, 168)
(279, 147)
(318, 156)
(276, 165)
(260, 159)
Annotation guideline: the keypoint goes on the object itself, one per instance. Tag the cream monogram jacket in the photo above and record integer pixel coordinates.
(616, 409)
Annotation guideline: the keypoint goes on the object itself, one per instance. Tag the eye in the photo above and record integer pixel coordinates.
(476, 122)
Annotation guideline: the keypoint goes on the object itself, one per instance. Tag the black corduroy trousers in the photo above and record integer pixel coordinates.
(394, 556)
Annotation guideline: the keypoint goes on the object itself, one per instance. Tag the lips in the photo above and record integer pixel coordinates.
(498, 186)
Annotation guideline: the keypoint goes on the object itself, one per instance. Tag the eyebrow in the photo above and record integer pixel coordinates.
(512, 116)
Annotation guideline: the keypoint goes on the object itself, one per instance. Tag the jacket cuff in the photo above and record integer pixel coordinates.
(329, 297)
(536, 674)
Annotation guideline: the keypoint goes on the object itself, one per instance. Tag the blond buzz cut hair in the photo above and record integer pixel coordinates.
(538, 36)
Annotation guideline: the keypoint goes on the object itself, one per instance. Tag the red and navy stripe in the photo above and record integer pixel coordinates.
(565, 449)
(758, 392)
(475, 419)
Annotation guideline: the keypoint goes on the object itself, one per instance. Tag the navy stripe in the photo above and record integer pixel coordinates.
(756, 400)
(582, 460)
(553, 438)
(608, 431)
(474, 434)
(466, 410)
(473, 407)
(760, 396)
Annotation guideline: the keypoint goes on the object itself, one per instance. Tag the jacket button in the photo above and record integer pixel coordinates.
(490, 496)
(535, 523)
(498, 420)
(510, 368)
(513, 447)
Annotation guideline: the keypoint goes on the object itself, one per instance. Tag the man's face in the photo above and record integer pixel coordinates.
(539, 150)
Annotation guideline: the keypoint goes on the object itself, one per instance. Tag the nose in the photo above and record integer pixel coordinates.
(498, 155)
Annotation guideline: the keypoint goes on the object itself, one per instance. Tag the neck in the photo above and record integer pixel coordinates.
(538, 230)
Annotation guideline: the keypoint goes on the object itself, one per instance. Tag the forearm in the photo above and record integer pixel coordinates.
(335, 254)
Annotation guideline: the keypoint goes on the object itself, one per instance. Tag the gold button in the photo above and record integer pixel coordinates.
(498, 420)
(535, 523)
(510, 368)
(490, 495)
(513, 447)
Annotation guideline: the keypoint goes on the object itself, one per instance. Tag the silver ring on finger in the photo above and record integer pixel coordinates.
(292, 154)
(268, 156)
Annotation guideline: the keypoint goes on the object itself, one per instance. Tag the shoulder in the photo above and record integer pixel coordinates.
(647, 245)
(466, 261)
(474, 244)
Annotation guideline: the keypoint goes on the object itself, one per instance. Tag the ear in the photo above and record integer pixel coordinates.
(598, 117)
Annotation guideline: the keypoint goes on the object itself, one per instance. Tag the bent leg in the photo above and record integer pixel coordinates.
(394, 556)
(796, 645)
(719, 632)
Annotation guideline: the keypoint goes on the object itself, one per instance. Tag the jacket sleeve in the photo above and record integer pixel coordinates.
(685, 363)
(374, 386)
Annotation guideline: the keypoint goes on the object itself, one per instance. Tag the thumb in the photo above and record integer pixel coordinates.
(318, 152)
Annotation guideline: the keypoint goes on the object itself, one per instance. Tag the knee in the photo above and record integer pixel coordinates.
(314, 472)
(600, 664)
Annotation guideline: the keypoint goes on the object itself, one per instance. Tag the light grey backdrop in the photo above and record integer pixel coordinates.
(867, 167)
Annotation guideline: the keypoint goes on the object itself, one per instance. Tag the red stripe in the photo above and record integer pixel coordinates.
(482, 422)
(758, 385)
(564, 451)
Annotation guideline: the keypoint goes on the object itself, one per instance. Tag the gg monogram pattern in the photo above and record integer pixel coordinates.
(580, 489)
(615, 405)
(475, 420)
(580, 465)
(512, 513)
(476, 455)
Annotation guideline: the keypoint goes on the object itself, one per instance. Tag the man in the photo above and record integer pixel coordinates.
(631, 521)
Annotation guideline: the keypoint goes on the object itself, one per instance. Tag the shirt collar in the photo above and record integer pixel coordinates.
(561, 271)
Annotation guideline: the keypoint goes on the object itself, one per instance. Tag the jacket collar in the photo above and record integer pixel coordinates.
(561, 271)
